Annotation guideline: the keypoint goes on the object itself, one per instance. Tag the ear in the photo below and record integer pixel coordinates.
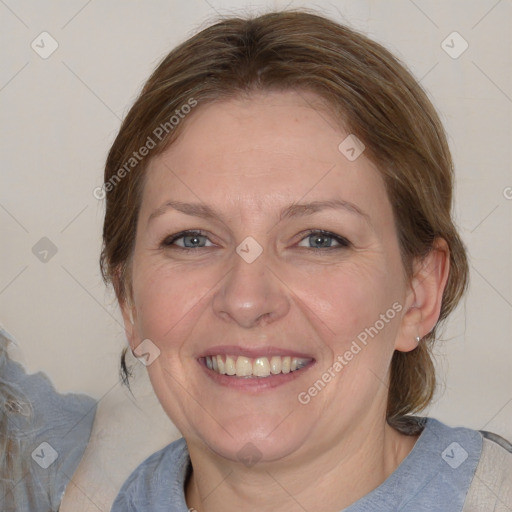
(424, 298)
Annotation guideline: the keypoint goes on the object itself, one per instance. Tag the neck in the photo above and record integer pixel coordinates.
(330, 479)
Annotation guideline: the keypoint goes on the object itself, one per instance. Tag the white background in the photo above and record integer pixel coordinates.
(61, 114)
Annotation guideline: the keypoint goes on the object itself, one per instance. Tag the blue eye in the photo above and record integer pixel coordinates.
(188, 240)
(315, 239)
(324, 240)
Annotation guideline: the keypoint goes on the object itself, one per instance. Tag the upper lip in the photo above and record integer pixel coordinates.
(253, 352)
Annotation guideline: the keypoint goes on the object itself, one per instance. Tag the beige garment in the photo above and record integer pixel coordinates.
(129, 426)
(491, 488)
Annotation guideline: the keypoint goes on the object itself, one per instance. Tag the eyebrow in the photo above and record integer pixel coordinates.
(293, 210)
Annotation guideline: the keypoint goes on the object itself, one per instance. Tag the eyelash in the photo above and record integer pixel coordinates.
(168, 242)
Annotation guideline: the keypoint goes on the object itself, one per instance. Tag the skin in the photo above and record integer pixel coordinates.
(248, 159)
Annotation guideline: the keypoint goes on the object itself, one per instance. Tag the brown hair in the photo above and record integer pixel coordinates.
(372, 94)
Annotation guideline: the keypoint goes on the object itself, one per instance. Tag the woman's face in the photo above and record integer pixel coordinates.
(295, 256)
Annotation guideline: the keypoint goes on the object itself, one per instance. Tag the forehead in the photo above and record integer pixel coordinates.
(260, 150)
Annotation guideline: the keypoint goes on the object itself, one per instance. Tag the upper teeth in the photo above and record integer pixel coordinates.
(242, 366)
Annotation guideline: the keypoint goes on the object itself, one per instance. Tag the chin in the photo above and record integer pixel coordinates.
(249, 441)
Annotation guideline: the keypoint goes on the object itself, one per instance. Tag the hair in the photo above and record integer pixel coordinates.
(13, 405)
(372, 95)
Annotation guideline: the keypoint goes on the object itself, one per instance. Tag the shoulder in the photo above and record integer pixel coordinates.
(48, 414)
(457, 446)
(38, 392)
(492, 481)
(486, 459)
(438, 470)
(157, 483)
(50, 429)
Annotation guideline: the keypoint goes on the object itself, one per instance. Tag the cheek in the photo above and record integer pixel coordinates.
(169, 300)
(347, 299)
(356, 303)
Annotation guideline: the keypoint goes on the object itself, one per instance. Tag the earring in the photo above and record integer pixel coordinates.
(418, 339)
(131, 316)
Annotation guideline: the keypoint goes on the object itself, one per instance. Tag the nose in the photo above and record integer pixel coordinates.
(251, 295)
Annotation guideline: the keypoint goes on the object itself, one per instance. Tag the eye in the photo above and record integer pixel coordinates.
(187, 240)
(315, 239)
(320, 239)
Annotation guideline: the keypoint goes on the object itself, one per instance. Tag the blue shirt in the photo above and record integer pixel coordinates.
(51, 435)
(436, 475)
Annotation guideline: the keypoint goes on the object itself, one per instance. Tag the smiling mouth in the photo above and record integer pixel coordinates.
(259, 367)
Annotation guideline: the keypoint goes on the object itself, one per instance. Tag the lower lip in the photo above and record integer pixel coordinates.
(254, 384)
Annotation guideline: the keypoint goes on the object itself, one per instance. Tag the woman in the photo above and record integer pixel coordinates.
(279, 237)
